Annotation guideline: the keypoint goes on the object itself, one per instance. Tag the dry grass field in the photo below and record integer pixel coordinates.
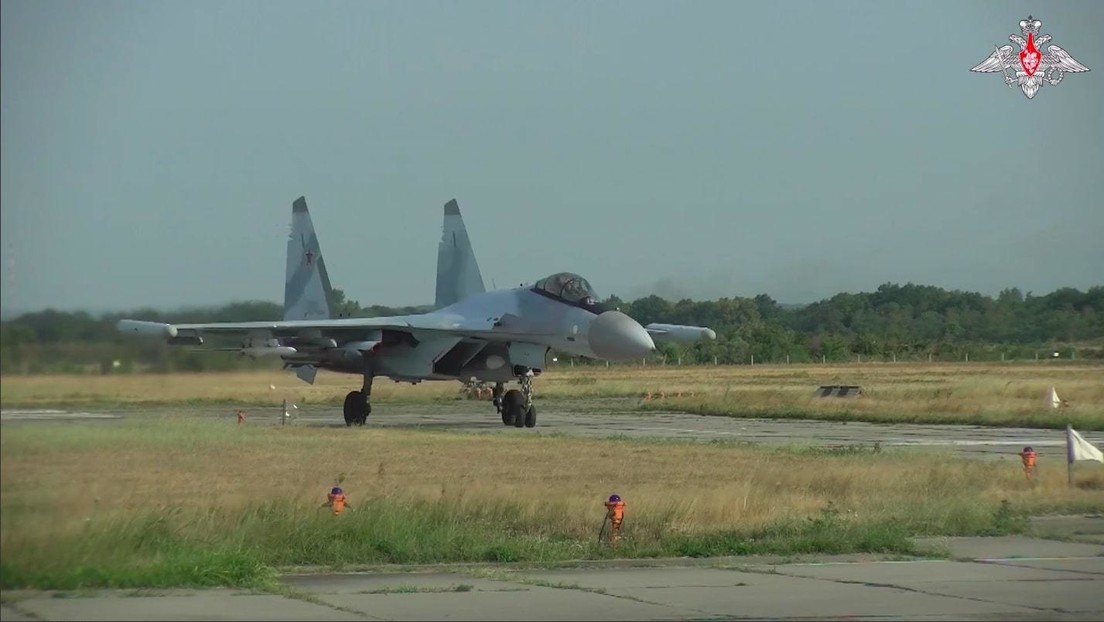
(976, 393)
(179, 461)
(176, 500)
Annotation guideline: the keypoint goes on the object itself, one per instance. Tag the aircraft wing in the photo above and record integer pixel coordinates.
(331, 332)
(679, 333)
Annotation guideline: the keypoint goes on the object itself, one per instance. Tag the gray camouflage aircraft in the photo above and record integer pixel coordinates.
(498, 336)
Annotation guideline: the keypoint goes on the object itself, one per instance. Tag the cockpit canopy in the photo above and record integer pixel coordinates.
(570, 288)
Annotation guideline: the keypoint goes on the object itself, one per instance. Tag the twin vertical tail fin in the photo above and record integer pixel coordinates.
(307, 291)
(457, 271)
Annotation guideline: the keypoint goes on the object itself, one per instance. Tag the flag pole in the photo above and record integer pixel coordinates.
(1069, 456)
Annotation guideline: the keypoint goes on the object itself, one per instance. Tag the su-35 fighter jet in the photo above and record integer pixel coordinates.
(498, 336)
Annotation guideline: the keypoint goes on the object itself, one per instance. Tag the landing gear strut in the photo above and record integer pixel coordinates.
(358, 404)
(516, 406)
(496, 399)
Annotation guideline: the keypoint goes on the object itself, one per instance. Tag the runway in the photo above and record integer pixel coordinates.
(613, 418)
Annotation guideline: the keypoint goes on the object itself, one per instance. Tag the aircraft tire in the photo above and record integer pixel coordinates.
(512, 402)
(531, 416)
(350, 408)
(356, 408)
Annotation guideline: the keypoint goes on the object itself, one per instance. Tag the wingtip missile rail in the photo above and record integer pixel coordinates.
(147, 329)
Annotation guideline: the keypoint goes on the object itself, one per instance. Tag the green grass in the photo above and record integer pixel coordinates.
(170, 547)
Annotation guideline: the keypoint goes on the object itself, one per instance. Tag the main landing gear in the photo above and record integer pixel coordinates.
(516, 406)
(358, 404)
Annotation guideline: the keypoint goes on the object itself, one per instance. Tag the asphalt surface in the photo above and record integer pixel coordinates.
(1007, 578)
(603, 418)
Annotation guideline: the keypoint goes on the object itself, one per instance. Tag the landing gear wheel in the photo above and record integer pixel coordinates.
(356, 408)
(531, 416)
(512, 403)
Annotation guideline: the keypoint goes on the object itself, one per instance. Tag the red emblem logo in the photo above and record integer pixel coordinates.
(1029, 56)
(1030, 67)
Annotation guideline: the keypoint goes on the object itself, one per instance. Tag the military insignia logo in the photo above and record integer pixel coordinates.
(1031, 68)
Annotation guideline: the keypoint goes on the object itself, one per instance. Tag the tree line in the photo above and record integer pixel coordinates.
(894, 322)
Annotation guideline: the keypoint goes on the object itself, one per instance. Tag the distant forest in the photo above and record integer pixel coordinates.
(896, 322)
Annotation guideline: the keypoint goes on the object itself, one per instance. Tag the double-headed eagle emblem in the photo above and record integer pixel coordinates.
(1031, 67)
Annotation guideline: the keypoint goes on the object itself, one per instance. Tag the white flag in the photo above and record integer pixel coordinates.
(1077, 448)
(1052, 400)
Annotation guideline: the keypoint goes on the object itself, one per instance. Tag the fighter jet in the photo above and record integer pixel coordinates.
(498, 336)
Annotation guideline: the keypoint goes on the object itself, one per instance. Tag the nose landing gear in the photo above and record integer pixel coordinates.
(516, 405)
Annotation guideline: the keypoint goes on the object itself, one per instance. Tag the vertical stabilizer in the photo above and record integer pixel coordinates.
(307, 288)
(457, 271)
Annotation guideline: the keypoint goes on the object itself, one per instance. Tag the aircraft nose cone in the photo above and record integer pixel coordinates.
(616, 336)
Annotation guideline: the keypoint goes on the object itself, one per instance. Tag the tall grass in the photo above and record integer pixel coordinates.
(176, 501)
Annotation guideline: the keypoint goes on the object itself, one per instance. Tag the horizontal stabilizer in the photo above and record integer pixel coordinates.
(306, 373)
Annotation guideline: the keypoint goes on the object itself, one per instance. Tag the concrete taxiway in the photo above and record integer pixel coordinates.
(1009, 578)
(604, 418)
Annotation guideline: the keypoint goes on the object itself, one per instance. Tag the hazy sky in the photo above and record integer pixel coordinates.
(152, 150)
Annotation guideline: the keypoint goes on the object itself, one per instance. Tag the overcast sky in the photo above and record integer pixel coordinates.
(152, 150)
